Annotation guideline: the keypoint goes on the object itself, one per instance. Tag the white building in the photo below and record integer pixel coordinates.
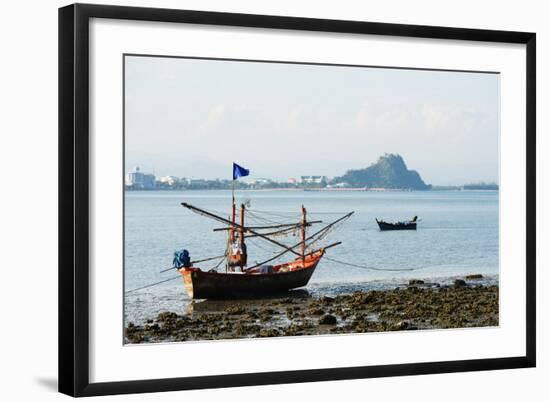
(259, 181)
(138, 180)
(169, 180)
(313, 179)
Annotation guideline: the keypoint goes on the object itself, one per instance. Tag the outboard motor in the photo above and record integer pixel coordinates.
(181, 259)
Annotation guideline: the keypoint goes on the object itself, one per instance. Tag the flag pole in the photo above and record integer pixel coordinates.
(233, 190)
(233, 184)
(231, 232)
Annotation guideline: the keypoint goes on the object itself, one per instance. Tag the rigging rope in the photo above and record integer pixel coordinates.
(367, 267)
(219, 263)
(235, 225)
(278, 233)
(196, 261)
(313, 238)
(283, 215)
(254, 216)
(172, 278)
(324, 233)
(263, 248)
(151, 285)
(291, 215)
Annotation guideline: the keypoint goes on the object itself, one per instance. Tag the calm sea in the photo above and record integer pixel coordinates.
(458, 234)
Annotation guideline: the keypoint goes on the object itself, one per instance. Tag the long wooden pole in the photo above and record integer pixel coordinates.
(278, 232)
(196, 261)
(232, 232)
(238, 226)
(241, 231)
(233, 190)
(232, 235)
(292, 225)
(325, 247)
(242, 225)
(303, 234)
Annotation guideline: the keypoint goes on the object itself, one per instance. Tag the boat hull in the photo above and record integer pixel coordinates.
(211, 285)
(394, 227)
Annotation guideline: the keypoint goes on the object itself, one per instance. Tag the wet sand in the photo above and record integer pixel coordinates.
(415, 306)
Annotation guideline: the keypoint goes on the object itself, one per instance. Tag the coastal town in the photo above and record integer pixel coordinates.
(138, 180)
(388, 173)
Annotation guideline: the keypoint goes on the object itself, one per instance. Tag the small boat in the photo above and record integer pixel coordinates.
(239, 280)
(400, 225)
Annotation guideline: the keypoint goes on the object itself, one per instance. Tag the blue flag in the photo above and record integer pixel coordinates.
(239, 171)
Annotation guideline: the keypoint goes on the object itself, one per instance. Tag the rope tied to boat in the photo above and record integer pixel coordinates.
(315, 237)
(222, 258)
(197, 261)
(151, 285)
(368, 267)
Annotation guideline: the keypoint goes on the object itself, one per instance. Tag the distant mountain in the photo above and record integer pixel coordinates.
(389, 172)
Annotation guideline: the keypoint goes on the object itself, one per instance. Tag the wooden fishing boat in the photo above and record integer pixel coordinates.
(239, 280)
(283, 277)
(401, 225)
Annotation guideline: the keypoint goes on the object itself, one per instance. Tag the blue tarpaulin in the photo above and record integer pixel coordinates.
(181, 259)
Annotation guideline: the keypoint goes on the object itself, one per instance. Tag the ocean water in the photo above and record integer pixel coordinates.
(458, 234)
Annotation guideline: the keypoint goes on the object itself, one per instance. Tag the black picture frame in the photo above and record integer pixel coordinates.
(74, 198)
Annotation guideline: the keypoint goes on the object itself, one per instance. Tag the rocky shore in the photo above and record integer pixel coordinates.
(415, 306)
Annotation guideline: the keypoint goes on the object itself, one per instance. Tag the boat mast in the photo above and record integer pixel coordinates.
(303, 234)
(241, 233)
(231, 233)
(241, 230)
(232, 228)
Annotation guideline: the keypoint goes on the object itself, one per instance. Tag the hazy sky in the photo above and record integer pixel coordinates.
(193, 118)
